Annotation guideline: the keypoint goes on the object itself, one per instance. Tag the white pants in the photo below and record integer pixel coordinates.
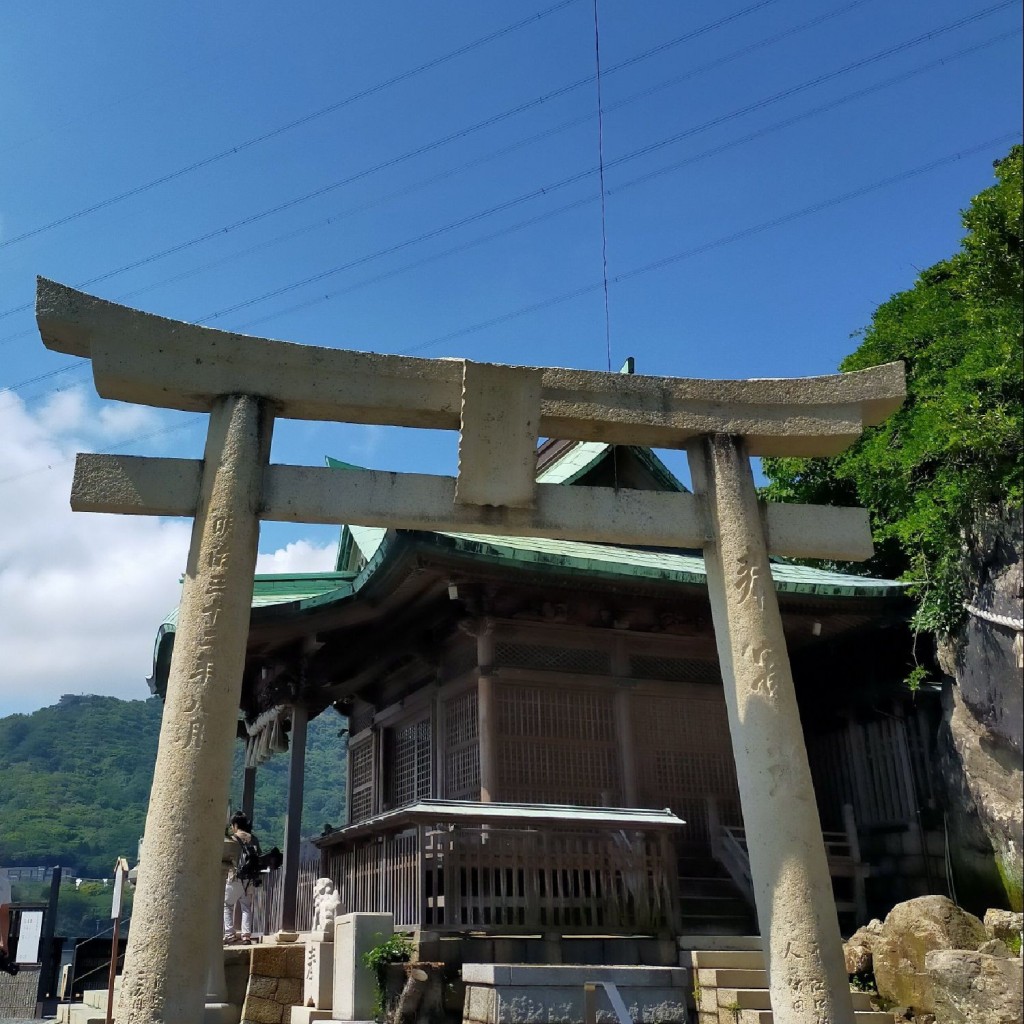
(236, 892)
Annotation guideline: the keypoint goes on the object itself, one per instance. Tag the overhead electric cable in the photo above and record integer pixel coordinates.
(289, 125)
(604, 212)
(648, 176)
(580, 175)
(680, 256)
(461, 133)
(736, 236)
(675, 165)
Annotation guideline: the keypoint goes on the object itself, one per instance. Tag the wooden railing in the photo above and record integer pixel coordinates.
(511, 877)
(729, 848)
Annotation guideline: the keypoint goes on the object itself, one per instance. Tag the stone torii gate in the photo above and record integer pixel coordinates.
(500, 411)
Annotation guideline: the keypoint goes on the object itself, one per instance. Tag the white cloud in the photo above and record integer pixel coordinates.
(299, 556)
(81, 595)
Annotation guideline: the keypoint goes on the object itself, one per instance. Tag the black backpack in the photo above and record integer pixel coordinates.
(248, 867)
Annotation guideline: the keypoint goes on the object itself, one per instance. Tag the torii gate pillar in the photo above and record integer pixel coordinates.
(499, 412)
(792, 885)
(168, 956)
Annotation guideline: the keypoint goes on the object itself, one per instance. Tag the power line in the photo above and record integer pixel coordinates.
(657, 172)
(288, 126)
(645, 269)
(648, 176)
(461, 133)
(719, 242)
(600, 174)
(635, 154)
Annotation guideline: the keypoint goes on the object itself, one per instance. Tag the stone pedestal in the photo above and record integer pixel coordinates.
(792, 887)
(355, 985)
(318, 975)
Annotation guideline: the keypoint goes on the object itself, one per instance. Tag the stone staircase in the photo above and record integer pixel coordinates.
(709, 900)
(91, 1010)
(730, 984)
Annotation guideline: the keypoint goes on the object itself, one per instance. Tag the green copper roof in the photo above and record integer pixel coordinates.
(585, 455)
(638, 563)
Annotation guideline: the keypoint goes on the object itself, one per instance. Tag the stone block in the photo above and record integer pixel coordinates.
(487, 974)
(289, 992)
(530, 1004)
(318, 976)
(307, 1015)
(263, 987)
(355, 985)
(284, 961)
(262, 1011)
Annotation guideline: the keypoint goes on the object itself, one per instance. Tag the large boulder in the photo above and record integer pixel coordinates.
(911, 931)
(975, 988)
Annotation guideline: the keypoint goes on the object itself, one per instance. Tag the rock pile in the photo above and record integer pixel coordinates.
(933, 962)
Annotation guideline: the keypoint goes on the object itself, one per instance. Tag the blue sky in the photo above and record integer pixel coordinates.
(441, 197)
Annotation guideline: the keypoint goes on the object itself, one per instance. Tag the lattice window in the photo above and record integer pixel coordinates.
(462, 748)
(674, 670)
(557, 746)
(409, 763)
(552, 659)
(360, 771)
(683, 756)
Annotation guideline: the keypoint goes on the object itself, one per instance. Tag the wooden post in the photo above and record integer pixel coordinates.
(486, 712)
(248, 791)
(293, 817)
(120, 876)
(627, 752)
(860, 898)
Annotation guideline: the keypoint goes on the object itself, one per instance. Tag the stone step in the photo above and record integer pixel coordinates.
(728, 959)
(706, 943)
(97, 997)
(759, 999)
(859, 1016)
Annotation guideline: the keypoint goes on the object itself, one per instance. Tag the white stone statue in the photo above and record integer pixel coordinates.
(326, 903)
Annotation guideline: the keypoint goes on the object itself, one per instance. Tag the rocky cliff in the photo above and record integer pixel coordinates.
(981, 740)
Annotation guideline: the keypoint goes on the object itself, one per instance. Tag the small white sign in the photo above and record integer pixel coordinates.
(120, 874)
(30, 933)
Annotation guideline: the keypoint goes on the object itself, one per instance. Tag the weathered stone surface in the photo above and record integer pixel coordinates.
(995, 947)
(289, 992)
(564, 1005)
(150, 360)
(974, 988)
(1004, 924)
(984, 787)
(982, 736)
(263, 987)
(911, 931)
(278, 961)
(792, 885)
(857, 950)
(262, 1011)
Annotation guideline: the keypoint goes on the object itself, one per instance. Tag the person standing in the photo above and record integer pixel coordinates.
(243, 878)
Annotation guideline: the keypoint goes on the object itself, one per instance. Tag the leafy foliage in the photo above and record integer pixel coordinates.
(952, 456)
(77, 777)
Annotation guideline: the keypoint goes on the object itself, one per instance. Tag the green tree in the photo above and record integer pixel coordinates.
(952, 456)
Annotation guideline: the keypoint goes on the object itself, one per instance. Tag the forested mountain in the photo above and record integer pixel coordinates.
(76, 779)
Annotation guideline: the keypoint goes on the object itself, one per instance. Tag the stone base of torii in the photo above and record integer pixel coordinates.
(500, 411)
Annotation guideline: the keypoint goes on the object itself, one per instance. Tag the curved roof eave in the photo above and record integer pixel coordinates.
(302, 595)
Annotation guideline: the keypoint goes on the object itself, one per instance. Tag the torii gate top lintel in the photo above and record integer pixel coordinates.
(146, 359)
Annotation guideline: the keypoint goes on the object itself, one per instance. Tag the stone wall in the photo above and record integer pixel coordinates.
(275, 984)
